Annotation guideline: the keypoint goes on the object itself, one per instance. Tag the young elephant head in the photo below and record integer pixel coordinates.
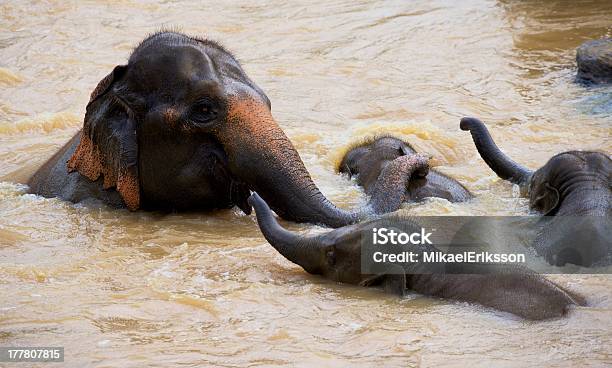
(574, 183)
(370, 161)
(334, 255)
(570, 183)
(181, 126)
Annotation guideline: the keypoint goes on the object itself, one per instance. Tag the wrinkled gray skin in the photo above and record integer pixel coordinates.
(371, 160)
(336, 255)
(182, 127)
(571, 184)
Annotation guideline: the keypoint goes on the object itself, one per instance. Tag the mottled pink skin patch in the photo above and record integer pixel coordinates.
(87, 160)
(171, 116)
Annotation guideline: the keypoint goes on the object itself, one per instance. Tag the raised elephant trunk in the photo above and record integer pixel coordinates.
(303, 251)
(503, 166)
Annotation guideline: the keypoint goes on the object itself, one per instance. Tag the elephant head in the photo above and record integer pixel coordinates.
(554, 188)
(181, 126)
(574, 186)
(369, 158)
(567, 174)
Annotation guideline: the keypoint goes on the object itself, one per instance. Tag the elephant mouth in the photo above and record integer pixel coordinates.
(239, 194)
(239, 190)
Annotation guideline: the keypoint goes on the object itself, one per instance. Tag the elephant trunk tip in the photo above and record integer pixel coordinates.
(467, 123)
(257, 202)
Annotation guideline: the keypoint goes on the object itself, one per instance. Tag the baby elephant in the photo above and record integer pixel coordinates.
(575, 187)
(371, 161)
(337, 256)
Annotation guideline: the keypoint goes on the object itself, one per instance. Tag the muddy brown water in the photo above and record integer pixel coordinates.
(120, 289)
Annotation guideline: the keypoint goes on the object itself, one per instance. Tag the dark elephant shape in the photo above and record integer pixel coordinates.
(575, 187)
(336, 255)
(374, 162)
(182, 127)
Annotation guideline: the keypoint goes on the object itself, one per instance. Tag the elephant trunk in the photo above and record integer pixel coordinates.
(503, 166)
(262, 156)
(302, 251)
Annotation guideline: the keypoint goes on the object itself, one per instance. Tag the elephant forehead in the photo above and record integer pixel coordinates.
(564, 163)
(187, 72)
(388, 142)
(170, 66)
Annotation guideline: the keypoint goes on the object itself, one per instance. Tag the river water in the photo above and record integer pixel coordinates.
(121, 289)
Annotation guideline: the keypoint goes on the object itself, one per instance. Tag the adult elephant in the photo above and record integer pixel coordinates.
(181, 126)
(573, 190)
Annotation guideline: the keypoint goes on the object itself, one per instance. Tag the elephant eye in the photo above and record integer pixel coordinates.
(204, 112)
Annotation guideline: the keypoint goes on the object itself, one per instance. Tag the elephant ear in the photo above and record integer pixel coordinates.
(547, 200)
(108, 147)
